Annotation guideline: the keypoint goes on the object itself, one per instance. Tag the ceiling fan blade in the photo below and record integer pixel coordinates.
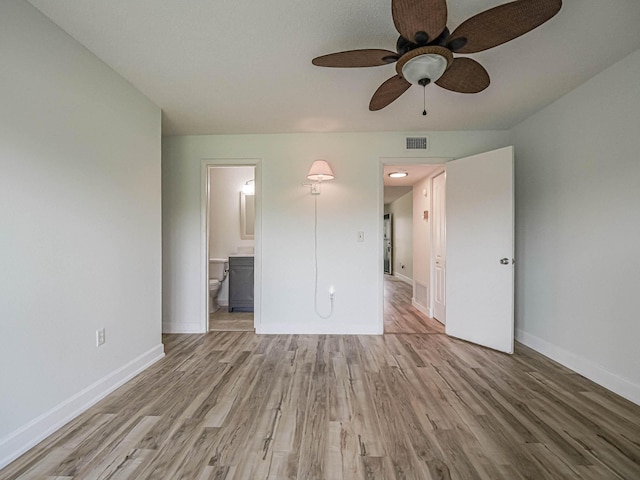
(356, 58)
(413, 17)
(501, 24)
(465, 75)
(388, 92)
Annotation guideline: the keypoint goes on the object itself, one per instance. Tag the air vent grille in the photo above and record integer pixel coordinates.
(416, 143)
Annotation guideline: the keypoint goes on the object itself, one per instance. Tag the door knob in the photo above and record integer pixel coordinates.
(504, 261)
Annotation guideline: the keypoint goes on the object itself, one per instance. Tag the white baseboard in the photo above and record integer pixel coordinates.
(182, 328)
(420, 308)
(583, 366)
(29, 435)
(403, 278)
(318, 329)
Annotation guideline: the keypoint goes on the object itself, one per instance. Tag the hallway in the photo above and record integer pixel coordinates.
(402, 317)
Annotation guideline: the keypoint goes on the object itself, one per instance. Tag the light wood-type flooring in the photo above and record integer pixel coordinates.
(402, 317)
(225, 321)
(236, 405)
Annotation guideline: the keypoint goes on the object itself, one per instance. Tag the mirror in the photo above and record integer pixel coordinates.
(247, 216)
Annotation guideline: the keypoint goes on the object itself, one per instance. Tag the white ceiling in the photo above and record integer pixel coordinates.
(244, 66)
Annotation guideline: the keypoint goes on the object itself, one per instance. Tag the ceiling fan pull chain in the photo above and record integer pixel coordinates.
(424, 100)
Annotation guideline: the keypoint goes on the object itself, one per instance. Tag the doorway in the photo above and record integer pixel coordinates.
(387, 244)
(478, 261)
(231, 215)
(407, 230)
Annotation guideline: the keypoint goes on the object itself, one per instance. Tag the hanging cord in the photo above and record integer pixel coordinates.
(315, 254)
(424, 82)
(424, 100)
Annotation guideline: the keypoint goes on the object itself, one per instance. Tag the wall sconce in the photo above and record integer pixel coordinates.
(319, 171)
(249, 188)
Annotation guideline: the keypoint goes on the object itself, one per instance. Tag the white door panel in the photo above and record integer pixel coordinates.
(480, 222)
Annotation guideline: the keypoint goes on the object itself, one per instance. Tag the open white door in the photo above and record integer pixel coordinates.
(480, 249)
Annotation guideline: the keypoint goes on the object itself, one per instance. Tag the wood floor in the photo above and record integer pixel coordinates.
(241, 406)
(236, 405)
(399, 315)
(225, 321)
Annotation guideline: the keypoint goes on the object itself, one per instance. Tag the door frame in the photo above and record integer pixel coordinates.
(432, 257)
(382, 161)
(205, 164)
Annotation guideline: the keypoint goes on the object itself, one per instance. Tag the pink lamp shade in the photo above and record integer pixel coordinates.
(319, 171)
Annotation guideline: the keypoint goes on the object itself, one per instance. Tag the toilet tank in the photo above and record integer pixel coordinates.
(217, 267)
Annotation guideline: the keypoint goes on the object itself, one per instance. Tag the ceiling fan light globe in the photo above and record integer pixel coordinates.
(430, 66)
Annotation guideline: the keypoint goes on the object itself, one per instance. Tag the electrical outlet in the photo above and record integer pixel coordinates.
(332, 293)
(100, 337)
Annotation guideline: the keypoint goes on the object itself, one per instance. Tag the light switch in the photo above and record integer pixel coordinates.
(361, 236)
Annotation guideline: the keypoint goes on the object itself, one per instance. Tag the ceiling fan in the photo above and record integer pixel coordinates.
(425, 48)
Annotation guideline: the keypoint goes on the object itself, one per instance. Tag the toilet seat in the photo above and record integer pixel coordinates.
(213, 283)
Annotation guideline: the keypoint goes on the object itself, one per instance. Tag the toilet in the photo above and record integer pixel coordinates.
(218, 269)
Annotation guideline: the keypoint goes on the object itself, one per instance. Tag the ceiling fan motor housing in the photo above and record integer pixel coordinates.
(403, 45)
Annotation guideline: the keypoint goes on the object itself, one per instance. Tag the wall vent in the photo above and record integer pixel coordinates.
(416, 143)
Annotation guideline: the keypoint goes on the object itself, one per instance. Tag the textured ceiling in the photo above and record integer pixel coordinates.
(244, 66)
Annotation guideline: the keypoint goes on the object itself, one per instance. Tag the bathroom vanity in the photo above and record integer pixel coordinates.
(241, 283)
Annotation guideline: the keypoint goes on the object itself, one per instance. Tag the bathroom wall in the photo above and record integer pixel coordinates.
(401, 211)
(80, 228)
(349, 204)
(225, 185)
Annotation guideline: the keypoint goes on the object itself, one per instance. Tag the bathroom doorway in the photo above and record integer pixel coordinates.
(231, 233)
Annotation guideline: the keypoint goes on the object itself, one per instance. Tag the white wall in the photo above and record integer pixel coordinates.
(80, 228)
(578, 229)
(401, 211)
(350, 203)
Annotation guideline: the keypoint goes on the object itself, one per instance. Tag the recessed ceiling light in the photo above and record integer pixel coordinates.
(398, 174)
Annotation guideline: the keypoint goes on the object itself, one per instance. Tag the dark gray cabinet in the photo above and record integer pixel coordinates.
(241, 284)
